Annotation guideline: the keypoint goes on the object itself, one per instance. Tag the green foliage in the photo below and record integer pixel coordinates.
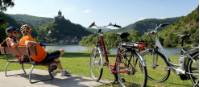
(2, 32)
(89, 41)
(111, 39)
(4, 4)
(189, 24)
(8, 21)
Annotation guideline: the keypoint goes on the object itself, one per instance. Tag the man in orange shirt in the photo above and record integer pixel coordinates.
(42, 56)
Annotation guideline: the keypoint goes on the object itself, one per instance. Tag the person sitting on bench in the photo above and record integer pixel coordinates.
(11, 40)
(42, 56)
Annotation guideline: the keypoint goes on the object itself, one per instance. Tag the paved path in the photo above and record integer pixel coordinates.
(21, 80)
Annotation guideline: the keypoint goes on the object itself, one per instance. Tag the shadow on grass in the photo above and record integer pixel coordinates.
(179, 84)
(74, 55)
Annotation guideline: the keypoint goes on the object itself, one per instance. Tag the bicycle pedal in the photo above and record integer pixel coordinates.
(154, 66)
(123, 80)
(105, 64)
(115, 82)
(184, 77)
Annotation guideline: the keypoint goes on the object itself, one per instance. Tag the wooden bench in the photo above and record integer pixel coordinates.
(25, 53)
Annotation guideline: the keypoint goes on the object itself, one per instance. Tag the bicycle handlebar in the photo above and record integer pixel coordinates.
(156, 28)
(110, 24)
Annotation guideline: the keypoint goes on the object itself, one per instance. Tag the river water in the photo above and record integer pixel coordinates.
(68, 48)
(78, 48)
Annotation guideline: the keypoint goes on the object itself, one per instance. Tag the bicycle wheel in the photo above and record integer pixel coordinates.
(131, 71)
(193, 69)
(157, 66)
(96, 64)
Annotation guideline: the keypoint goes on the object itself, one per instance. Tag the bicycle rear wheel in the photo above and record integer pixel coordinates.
(131, 71)
(96, 64)
(193, 69)
(157, 66)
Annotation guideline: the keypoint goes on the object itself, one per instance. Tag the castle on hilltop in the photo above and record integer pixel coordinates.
(59, 16)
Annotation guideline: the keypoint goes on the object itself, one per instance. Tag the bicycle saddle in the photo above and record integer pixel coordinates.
(194, 52)
(124, 36)
(184, 36)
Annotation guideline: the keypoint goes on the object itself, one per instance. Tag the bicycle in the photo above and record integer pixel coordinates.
(160, 65)
(128, 66)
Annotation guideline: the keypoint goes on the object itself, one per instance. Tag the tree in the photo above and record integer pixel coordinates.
(4, 4)
(3, 26)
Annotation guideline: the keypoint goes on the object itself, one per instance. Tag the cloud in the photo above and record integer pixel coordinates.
(86, 11)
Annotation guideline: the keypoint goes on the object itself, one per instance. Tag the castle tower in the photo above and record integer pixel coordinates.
(59, 13)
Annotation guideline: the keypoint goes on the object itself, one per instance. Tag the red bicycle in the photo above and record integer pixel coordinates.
(129, 68)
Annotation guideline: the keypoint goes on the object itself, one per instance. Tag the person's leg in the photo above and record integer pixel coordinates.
(57, 60)
(55, 56)
(63, 72)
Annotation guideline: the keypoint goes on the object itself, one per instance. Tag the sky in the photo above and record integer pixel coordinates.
(122, 12)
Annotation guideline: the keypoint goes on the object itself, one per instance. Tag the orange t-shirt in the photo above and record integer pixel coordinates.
(41, 53)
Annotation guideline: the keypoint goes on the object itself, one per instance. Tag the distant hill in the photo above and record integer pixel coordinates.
(56, 30)
(186, 24)
(8, 19)
(32, 20)
(146, 25)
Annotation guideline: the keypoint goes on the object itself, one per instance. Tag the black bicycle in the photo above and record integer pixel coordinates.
(159, 64)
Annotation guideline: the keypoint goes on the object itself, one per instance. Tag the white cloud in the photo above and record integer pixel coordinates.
(86, 11)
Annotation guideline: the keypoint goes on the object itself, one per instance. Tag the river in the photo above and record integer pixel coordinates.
(78, 48)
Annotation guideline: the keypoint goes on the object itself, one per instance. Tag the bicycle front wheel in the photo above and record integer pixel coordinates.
(131, 71)
(157, 66)
(96, 64)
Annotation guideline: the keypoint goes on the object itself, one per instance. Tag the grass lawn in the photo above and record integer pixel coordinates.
(78, 63)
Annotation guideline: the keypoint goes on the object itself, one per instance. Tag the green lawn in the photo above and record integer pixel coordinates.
(78, 63)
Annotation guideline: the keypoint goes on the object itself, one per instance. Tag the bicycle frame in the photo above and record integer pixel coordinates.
(101, 45)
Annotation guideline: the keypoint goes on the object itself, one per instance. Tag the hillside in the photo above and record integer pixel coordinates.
(146, 25)
(56, 30)
(32, 20)
(186, 24)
